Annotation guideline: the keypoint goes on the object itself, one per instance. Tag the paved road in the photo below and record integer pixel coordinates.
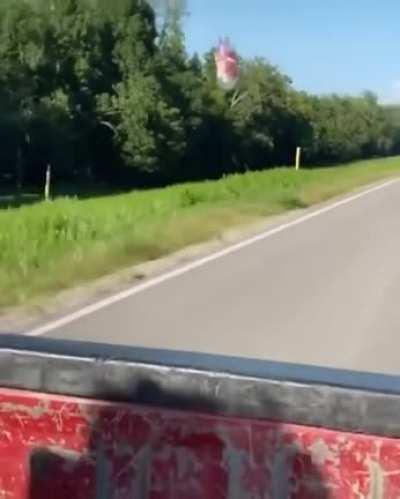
(325, 292)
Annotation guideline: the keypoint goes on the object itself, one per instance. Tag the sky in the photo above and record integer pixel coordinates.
(342, 46)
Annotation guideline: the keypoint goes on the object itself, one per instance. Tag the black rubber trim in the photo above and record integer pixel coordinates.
(341, 400)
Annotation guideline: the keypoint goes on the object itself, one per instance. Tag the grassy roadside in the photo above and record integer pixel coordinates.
(51, 246)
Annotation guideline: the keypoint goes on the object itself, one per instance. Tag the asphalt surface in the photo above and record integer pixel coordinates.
(324, 292)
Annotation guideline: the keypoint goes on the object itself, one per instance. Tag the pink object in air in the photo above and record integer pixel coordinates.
(227, 62)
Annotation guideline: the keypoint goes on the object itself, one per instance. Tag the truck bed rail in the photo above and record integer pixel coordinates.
(85, 420)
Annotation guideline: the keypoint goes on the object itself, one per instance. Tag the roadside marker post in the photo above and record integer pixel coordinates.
(47, 185)
(298, 158)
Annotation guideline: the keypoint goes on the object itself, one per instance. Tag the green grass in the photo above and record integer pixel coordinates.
(47, 247)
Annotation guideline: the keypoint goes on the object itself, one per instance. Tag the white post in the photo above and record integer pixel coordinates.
(298, 158)
(47, 185)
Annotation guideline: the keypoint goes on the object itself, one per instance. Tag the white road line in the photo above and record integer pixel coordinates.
(91, 309)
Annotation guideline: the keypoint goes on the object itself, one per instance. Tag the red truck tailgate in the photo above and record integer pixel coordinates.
(94, 421)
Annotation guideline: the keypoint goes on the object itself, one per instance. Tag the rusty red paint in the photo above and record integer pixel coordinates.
(53, 446)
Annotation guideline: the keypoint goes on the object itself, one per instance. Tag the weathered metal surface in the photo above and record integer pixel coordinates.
(346, 401)
(63, 447)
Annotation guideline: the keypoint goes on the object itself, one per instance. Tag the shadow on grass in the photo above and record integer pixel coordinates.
(12, 201)
(294, 203)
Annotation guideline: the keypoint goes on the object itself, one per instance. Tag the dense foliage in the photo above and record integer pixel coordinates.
(105, 91)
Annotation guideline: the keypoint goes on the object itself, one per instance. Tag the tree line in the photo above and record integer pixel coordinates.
(105, 91)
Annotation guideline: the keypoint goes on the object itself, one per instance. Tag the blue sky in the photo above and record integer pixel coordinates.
(344, 46)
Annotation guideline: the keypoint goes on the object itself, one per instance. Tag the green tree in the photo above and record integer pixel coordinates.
(263, 118)
(105, 90)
